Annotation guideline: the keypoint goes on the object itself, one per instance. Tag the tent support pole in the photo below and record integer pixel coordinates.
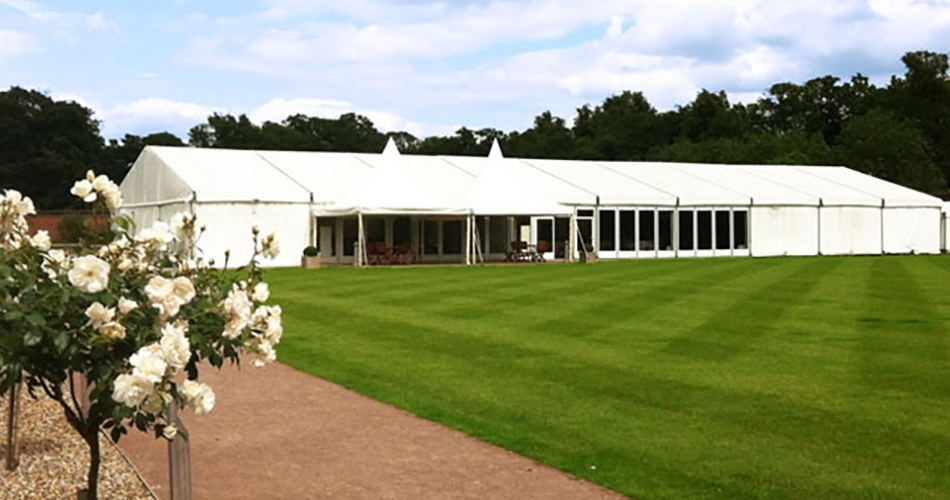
(468, 240)
(572, 241)
(360, 244)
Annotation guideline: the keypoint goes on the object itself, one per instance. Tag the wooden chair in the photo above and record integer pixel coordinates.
(377, 253)
(518, 252)
(401, 254)
(539, 251)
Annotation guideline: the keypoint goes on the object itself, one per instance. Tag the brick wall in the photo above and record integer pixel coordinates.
(50, 222)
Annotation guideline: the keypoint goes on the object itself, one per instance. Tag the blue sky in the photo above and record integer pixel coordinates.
(431, 66)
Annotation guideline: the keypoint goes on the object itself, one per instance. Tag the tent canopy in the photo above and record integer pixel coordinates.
(348, 183)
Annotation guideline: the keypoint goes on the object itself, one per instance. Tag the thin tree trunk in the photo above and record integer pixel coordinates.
(13, 409)
(92, 479)
(179, 459)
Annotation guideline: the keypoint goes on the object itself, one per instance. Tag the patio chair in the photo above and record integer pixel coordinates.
(539, 251)
(518, 252)
(377, 253)
(401, 254)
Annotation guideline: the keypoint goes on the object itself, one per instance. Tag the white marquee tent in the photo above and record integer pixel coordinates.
(458, 209)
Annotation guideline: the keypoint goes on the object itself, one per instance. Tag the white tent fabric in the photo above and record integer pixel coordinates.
(500, 190)
(689, 189)
(792, 210)
(612, 187)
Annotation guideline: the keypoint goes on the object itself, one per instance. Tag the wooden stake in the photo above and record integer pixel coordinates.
(179, 459)
(13, 409)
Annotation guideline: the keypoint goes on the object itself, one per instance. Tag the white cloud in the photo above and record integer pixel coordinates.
(14, 43)
(277, 110)
(153, 114)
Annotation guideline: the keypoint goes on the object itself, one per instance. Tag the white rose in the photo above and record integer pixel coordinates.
(158, 288)
(101, 182)
(237, 306)
(89, 274)
(83, 189)
(261, 352)
(269, 246)
(55, 261)
(131, 390)
(113, 199)
(126, 306)
(198, 397)
(261, 292)
(99, 314)
(41, 240)
(113, 330)
(183, 289)
(169, 431)
(156, 236)
(147, 362)
(183, 226)
(175, 346)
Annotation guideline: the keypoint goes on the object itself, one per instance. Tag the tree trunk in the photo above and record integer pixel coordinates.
(91, 436)
(13, 409)
(179, 459)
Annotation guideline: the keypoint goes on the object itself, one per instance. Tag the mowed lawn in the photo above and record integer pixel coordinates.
(676, 379)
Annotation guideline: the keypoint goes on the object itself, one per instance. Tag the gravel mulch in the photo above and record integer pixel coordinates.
(54, 459)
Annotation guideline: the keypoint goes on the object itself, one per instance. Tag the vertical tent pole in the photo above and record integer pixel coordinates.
(360, 244)
(468, 240)
(572, 239)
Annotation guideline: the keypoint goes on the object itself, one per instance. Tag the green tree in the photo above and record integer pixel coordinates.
(923, 95)
(624, 127)
(548, 138)
(44, 143)
(880, 144)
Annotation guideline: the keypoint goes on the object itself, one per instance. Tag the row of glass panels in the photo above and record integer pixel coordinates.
(619, 231)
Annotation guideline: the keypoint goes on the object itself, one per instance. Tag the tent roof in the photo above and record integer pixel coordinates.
(830, 193)
(219, 175)
(894, 195)
(692, 190)
(342, 183)
(610, 185)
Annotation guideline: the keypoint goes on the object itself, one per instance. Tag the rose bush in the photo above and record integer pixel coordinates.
(132, 316)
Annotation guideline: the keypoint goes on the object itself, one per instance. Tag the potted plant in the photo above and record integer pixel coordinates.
(311, 257)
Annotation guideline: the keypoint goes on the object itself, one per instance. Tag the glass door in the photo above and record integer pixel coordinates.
(542, 236)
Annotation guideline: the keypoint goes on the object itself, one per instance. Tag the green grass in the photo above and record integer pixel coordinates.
(674, 379)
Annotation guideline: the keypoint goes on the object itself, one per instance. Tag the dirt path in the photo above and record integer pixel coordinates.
(283, 434)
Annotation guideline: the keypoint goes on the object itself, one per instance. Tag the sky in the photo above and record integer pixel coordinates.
(429, 67)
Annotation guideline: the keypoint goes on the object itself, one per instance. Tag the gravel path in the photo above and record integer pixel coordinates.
(277, 433)
(54, 459)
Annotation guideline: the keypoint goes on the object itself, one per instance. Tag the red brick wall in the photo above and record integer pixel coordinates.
(50, 222)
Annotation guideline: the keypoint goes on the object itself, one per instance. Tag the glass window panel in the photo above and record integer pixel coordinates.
(628, 230)
(722, 230)
(498, 226)
(666, 230)
(452, 236)
(648, 230)
(606, 229)
(741, 229)
(350, 230)
(704, 229)
(686, 230)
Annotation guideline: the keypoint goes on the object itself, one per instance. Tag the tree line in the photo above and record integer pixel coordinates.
(899, 132)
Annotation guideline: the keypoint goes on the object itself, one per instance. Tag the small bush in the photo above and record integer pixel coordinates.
(311, 251)
(72, 228)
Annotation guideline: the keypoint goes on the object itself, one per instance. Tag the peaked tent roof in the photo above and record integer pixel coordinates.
(499, 189)
(391, 183)
(212, 175)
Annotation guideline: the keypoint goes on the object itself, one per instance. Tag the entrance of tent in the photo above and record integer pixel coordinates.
(550, 235)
